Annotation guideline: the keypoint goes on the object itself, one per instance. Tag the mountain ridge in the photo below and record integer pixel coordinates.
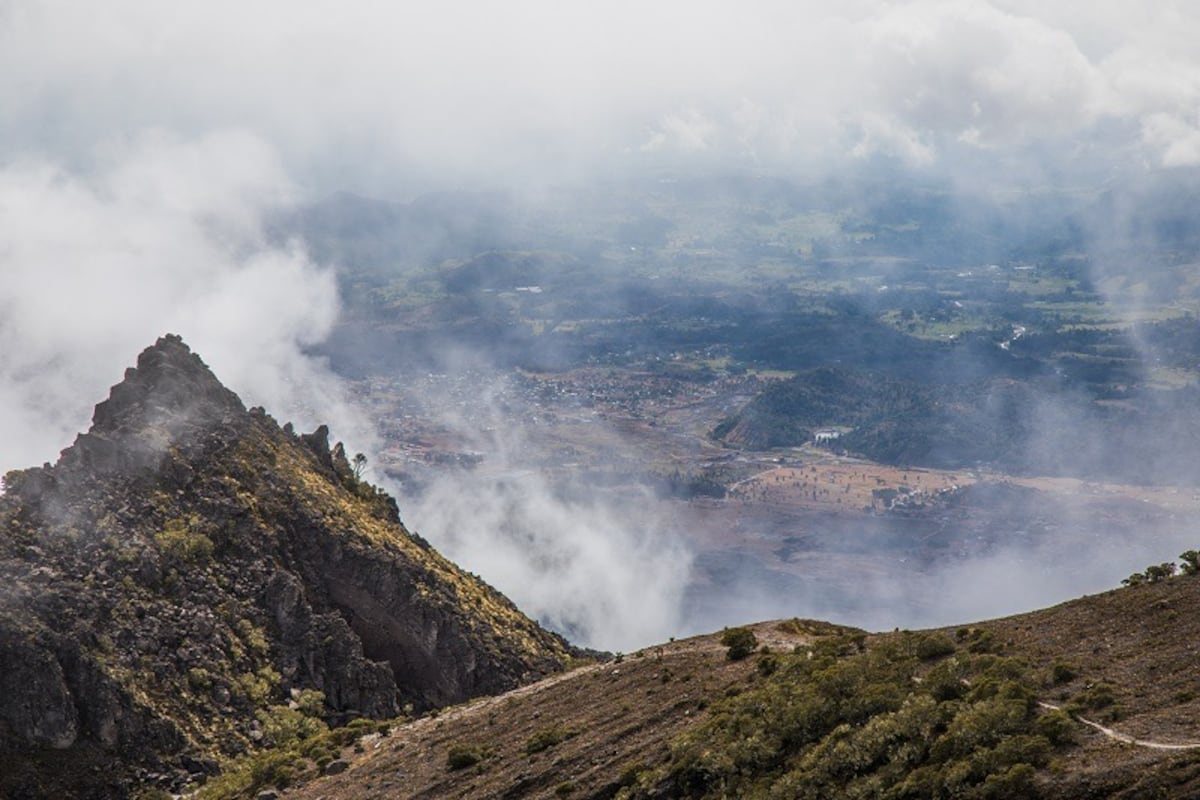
(188, 565)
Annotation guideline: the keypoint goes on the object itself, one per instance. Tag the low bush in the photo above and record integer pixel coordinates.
(1061, 672)
(546, 738)
(740, 641)
(461, 756)
(928, 646)
(849, 720)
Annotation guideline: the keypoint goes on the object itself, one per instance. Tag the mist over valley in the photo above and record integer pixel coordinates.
(788, 396)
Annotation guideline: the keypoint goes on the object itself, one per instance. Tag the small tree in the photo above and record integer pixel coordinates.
(1191, 562)
(1157, 572)
(740, 641)
(360, 463)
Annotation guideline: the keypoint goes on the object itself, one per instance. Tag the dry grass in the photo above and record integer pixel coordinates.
(618, 717)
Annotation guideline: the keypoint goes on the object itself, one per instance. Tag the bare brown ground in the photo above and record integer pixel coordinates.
(831, 483)
(618, 715)
(839, 483)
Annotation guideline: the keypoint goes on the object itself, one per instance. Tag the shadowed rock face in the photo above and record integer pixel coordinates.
(187, 564)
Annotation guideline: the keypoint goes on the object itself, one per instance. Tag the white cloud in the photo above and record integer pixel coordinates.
(1178, 140)
(392, 97)
(161, 235)
(609, 578)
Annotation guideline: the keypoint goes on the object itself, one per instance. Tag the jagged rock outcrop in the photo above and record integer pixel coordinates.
(188, 564)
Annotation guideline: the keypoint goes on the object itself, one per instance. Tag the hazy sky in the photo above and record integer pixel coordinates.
(394, 97)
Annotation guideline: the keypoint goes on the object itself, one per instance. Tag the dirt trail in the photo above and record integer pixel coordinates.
(702, 644)
(482, 704)
(1125, 738)
(607, 714)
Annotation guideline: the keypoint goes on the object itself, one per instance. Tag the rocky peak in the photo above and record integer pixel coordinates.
(170, 394)
(169, 385)
(188, 565)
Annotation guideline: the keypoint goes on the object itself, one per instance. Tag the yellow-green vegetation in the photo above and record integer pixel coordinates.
(1154, 573)
(1097, 697)
(257, 687)
(740, 641)
(546, 738)
(797, 626)
(939, 325)
(461, 756)
(304, 747)
(253, 637)
(358, 514)
(182, 542)
(907, 716)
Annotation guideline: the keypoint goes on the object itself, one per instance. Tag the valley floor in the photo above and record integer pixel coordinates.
(793, 522)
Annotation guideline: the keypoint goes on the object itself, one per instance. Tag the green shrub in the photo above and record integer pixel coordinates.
(1061, 672)
(251, 773)
(253, 637)
(199, 678)
(151, 793)
(928, 646)
(852, 722)
(462, 756)
(1056, 726)
(1093, 698)
(1015, 783)
(1100, 696)
(630, 774)
(813, 627)
(280, 765)
(179, 542)
(980, 641)
(256, 688)
(312, 703)
(547, 738)
(946, 680)
(740, 641)
(283, 726)
(1159, 572)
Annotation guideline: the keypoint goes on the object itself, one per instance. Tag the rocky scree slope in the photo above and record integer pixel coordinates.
(188, 564)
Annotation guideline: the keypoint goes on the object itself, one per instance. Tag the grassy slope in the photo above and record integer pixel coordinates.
(625, 716)
(617, 718)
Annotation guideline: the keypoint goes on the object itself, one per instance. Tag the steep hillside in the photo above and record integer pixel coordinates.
(1010, 708)
(188, 568)
(586, 733)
